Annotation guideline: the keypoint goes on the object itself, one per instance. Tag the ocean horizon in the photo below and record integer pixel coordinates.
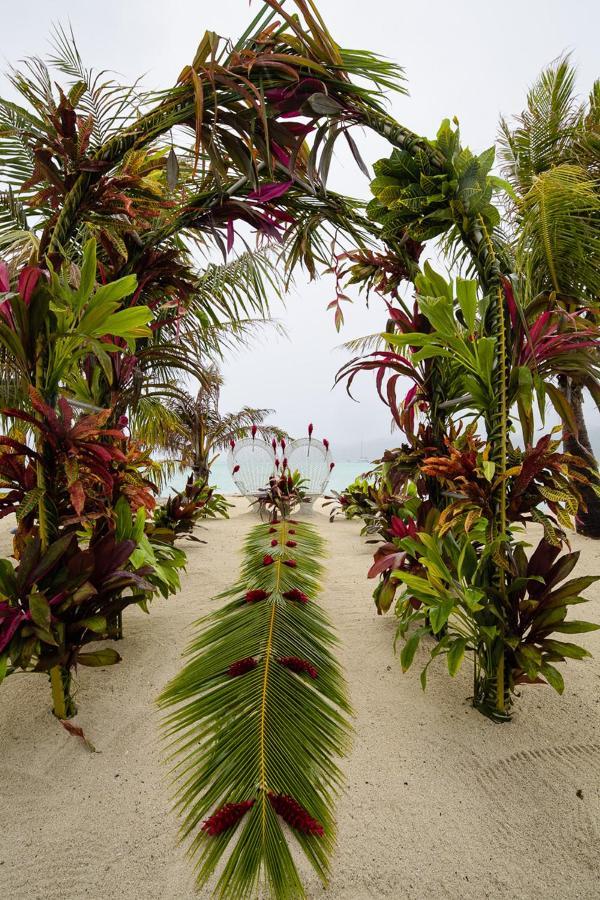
(343, 474)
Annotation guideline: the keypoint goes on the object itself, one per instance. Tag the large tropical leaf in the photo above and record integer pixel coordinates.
(256, 719)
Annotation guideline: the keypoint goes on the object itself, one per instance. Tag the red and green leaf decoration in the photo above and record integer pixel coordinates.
(81, 453)
(535, 477)
(55, 601)
(547, 345)
(246, 103)
(255, 721)
(182, 511)
(540, 598)
(387, 363)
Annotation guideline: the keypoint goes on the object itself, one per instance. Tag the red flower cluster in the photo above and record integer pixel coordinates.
(298, 665)
(242, 666)
(226, 817)
(297, 595)
(294, 814)
(290, 543)
(255, 595)
(274, 542)
(290, 562)
(268, 560)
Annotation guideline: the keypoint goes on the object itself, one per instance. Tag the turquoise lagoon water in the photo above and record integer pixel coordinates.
(343, 474)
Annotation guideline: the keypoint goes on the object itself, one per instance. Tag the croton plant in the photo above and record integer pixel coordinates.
(75, 481)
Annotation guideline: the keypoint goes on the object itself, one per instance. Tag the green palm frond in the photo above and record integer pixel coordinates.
(257, 718)
(109, 104)
(365, 344)
(551, 155)
(15, 151)
(153, 423)
(559, 240)
(241, 288)
(216, 340)
(543, 135)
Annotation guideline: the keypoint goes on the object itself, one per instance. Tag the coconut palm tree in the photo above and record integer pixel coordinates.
(551, 156)
(199, 431)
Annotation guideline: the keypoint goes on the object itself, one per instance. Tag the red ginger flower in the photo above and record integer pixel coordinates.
(226, 817)
(242, 666)
(274, 542)
(274, 445)
(232, 444)
(290, 543)
(254, 430)
(297, 595)
(256, 595)
(331, 466)
(298, 665)
(283, 444)
(294, 814)
(268, 560)
(326, 444)
(290, 562)
(310, 430)
(235, 469)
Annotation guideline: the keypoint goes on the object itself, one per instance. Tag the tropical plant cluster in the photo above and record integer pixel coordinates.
(105, 310)
(115, 203)
(110, 198)
(480, 354)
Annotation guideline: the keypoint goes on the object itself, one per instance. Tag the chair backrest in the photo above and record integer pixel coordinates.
(313, 461)
(257, 463)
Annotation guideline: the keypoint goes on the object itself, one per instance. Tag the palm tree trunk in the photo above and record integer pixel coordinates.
(587, 521)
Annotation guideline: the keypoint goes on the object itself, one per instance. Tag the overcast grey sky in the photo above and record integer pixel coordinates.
(464, 58)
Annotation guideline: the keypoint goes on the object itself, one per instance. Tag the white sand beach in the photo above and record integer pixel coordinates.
(440, 802)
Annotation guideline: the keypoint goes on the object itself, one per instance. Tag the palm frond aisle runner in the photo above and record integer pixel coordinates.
(257, 719)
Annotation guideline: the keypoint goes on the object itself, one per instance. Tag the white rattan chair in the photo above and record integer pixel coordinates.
(313, 460)
(256, 462)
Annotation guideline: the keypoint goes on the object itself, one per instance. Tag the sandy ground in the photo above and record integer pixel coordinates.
(440, 802)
